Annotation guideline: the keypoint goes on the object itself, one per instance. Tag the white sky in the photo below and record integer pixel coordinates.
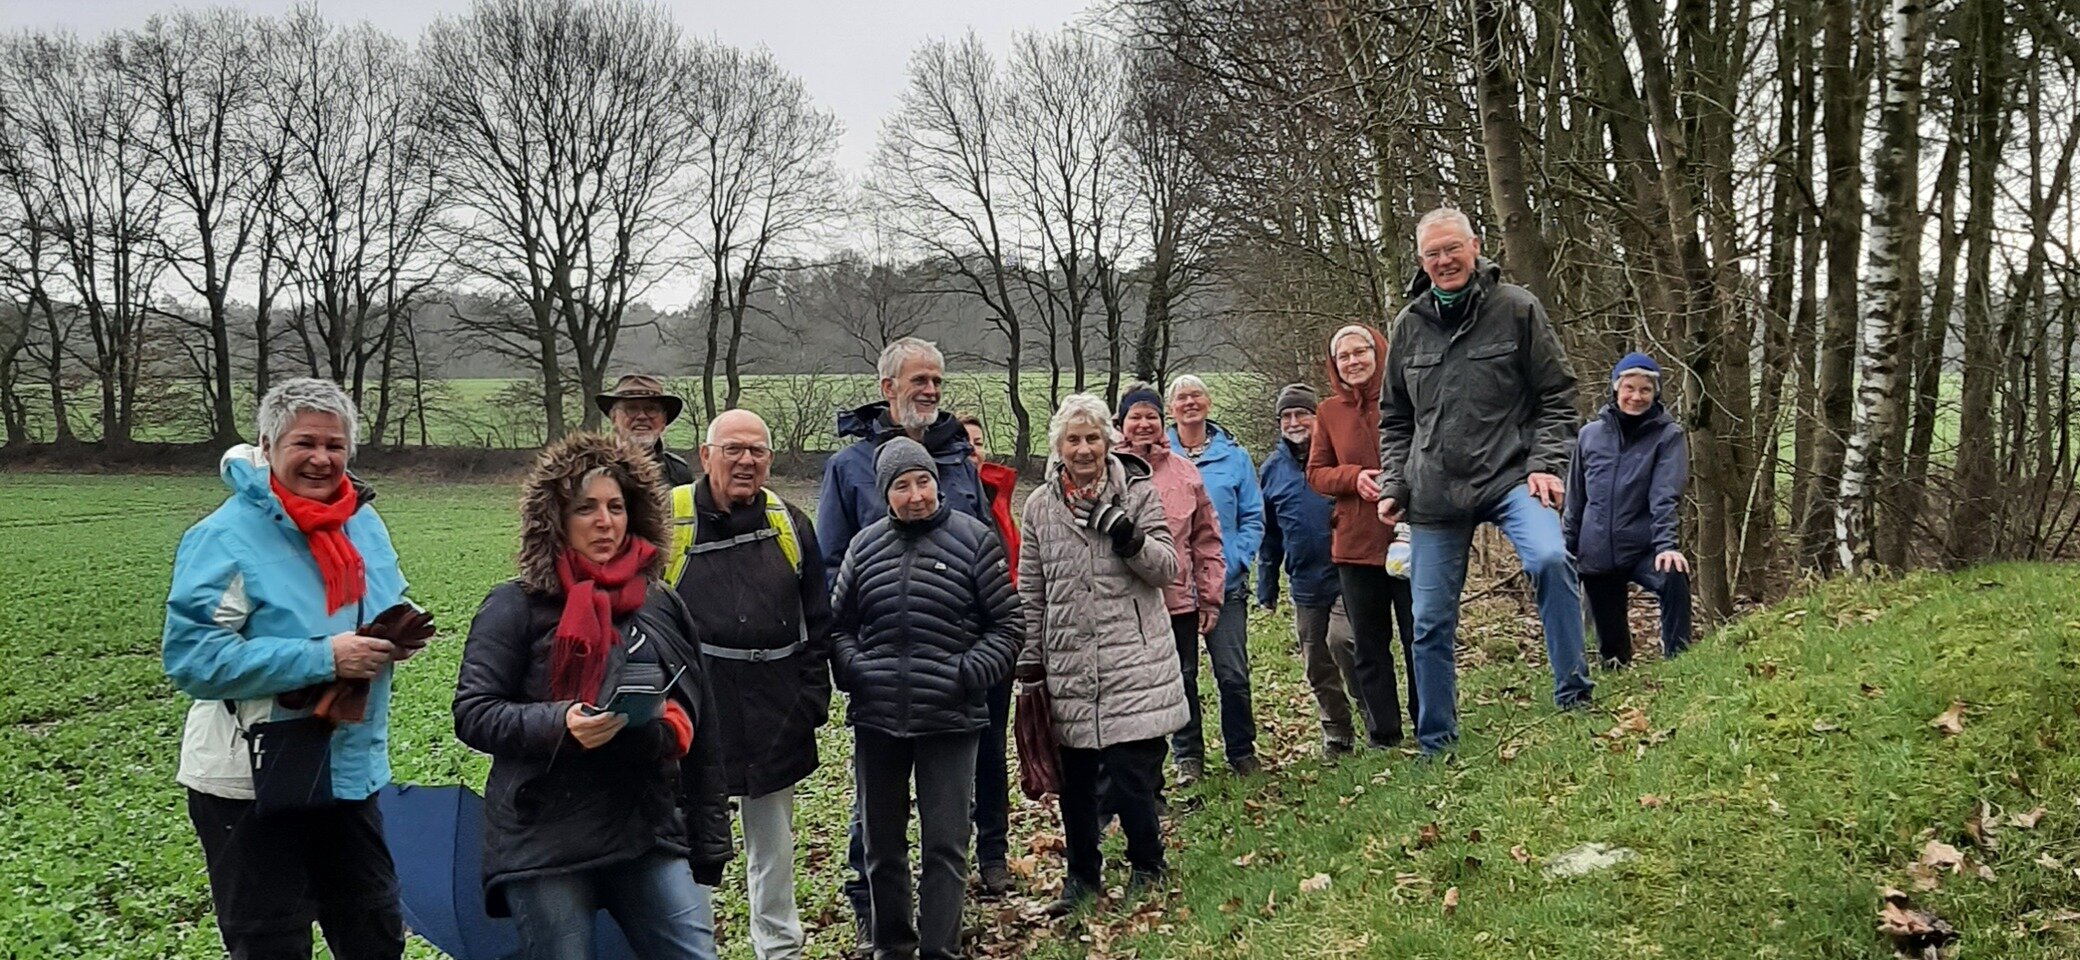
(851, 53)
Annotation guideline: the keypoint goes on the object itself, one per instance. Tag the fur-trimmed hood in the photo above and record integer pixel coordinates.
(553, 483)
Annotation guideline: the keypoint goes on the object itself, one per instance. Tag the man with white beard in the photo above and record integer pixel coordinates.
(1296, 537)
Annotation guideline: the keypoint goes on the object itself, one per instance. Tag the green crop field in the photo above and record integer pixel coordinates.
(1770, 783)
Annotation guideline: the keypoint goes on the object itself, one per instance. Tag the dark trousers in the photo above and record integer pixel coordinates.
(1380, 605)
(1227, 646)
(271, 877)
(1606, 593)
(991, 809)
(944, 768)
(1130, 775)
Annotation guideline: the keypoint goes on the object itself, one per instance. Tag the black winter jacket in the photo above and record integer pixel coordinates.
(1624, 495)
(749, 597)
(552, 806)
(925, 622)
(1467, 412)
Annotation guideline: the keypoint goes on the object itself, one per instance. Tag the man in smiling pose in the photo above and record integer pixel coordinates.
(1475, 420)
(640, 409)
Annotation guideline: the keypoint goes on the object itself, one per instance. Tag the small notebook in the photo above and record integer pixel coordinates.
(641, 700)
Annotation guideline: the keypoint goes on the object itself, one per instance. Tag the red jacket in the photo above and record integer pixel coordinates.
(998, 482)
(1346, 442)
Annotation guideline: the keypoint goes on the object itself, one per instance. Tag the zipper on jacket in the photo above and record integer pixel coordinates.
(908, 638)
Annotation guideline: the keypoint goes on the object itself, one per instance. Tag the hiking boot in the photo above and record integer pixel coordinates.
(1391, 741)
(1143, 882)
(1190, 771)
(1075, 896)
(1248, 766)
(1334, 750)
(996, 879)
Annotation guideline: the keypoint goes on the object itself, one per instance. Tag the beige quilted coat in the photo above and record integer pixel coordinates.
(1095, 621)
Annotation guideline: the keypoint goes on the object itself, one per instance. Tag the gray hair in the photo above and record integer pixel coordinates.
(1079, 410)
(902, 350)
(1185, 381)
(1451, 215)
(295, 397)
(709, 436)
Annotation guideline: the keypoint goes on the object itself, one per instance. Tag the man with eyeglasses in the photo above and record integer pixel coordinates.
(1476, 418)
(746, 563)
(640, 409)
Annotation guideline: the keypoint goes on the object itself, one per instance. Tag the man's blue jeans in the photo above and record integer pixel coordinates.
(1437, 558)
(1228, 647)
(662, 912)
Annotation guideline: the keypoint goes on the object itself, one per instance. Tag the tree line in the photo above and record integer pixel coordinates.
(1847, 227)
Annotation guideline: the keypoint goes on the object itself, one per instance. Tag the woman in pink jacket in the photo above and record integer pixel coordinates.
(1194, 598)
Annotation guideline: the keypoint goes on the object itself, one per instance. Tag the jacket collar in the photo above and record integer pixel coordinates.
(871, 422)
(244, 469)
(918, 528)
(1486, 274)
(1220, 444)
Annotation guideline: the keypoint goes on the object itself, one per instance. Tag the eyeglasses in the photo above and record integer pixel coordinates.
(738, 451)
(1445, 252)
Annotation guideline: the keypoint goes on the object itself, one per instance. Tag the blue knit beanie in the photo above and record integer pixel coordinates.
(1137, 395)
(1636, 362)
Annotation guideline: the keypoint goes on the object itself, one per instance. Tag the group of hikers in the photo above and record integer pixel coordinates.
(925, 592)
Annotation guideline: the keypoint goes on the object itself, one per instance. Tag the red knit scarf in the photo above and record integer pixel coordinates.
(324, 527)
(593, 594)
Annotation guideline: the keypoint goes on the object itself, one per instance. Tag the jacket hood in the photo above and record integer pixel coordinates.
(1370, 389)
(244, 469)
(1220, 442)
(553, 483)
(1121, 469)
(1483, 269)
(870, 422)
(1655, 416)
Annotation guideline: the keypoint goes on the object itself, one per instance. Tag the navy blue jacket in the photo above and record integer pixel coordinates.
(1622, 496)
(1296, 533)
(850, 501)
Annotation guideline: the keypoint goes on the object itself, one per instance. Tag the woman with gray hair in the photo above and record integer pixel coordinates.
(274, 599)
(1096, 559)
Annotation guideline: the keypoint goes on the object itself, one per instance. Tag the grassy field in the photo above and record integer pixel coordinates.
(1770, 783)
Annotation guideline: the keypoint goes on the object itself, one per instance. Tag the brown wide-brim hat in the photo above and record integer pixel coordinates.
(641, 386)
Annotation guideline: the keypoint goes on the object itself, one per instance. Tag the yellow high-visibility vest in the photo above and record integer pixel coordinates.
(779, 525)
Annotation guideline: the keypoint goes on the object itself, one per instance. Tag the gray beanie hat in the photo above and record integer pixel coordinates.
(1292, 396)
(900, 456)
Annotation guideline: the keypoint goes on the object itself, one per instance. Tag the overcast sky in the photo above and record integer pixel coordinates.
(851, 53)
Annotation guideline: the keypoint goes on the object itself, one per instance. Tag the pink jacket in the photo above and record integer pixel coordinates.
(1195, 530)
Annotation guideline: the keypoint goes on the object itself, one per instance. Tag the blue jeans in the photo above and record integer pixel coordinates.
(1228, 647)
(662, 912)
(1437, 557)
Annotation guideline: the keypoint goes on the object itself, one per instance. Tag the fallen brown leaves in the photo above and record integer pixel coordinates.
(1914, 933)
(1451, 901)
(1951, 721)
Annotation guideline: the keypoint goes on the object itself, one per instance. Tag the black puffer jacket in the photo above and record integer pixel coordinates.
(926, 621)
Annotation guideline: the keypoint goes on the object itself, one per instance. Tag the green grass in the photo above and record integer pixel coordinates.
(1790, 793)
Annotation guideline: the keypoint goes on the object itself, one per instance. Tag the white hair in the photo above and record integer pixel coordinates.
(1179, 384)
(1451, 215)
(295, 397)
(1079, 410)
(709, 437)
(902, 350)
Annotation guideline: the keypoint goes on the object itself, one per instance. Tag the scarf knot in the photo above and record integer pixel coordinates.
(323, 526)
(593, 595)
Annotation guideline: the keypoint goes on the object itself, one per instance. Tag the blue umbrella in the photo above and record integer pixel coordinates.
(436, 837)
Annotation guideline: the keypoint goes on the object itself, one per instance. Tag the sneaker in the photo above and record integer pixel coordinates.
(1246, 766)
(1190, 772)
(1143, 882)
(996, 879)
(1333, 750)
(1075, 896)
(1613, 664)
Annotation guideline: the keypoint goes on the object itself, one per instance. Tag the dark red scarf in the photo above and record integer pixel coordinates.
(324, 527)
(593, 594)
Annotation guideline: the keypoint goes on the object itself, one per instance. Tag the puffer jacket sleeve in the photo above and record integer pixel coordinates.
(1552, 381)
(492, 710)
(202, 648)
(1665, 494)
(988, 662)
(1032, 581)
(1156, 564)
(845, 620)
(703, 792)
(1209, 563)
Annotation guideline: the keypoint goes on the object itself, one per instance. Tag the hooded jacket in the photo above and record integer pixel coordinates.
(1231, 483)
(850, 500)
(925, 623)
(1623, 494)
(999, 484)
(1296, 533)
(1346, 443)
(551, 806)
(246, 620)
(748, 596)
(1095, 621)
(1195, 532)
(1467, 413)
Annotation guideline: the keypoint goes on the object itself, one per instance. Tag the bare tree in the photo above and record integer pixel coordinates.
(571, 130)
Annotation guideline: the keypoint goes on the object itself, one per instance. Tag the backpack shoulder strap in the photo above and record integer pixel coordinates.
(782, 521)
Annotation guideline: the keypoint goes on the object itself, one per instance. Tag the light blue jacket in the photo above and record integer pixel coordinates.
(246, 620)
(1231, 483)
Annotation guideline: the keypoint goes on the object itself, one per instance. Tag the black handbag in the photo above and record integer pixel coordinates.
(292, 764)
